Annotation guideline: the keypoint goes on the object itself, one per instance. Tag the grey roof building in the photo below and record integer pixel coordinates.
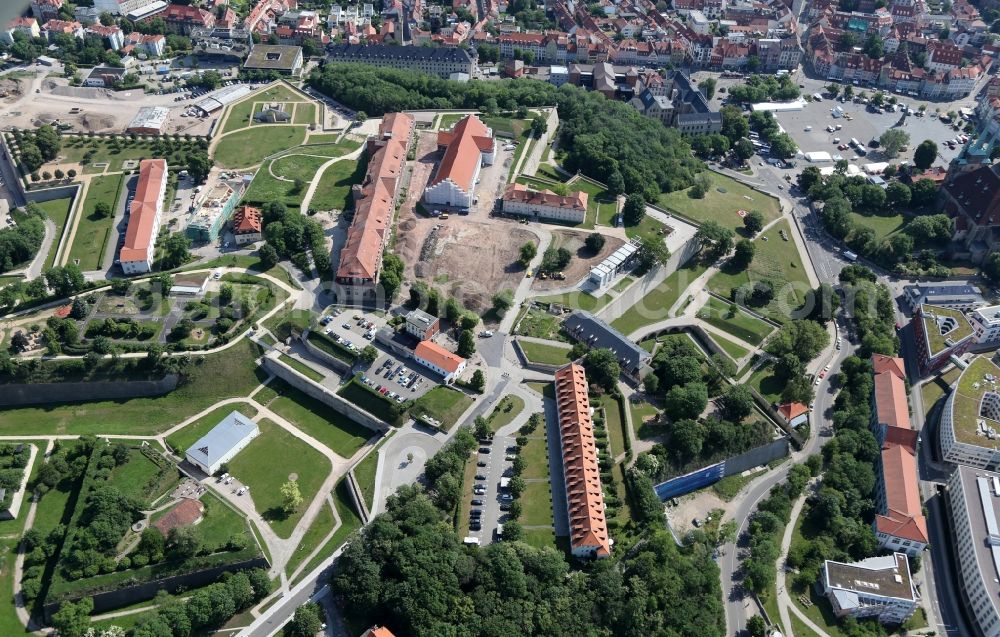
(275, 57)
(222, 443)
(441, 61)
(585, 327)
(679, 104)
(956, 297)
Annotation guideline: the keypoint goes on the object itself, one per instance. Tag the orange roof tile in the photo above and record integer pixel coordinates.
(903, 516)
(584, 495)
(891, 407)
(378, 631)
(246, 220)
(465, 145)
(438, 356)
(361, 256)
(882, 363)
(790, 411)
(139, 233)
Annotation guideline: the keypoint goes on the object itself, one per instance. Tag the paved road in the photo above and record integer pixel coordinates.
(736, 598)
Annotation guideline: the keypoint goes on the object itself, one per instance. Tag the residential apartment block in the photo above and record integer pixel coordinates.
(467, 147)
(970, 420)
(357, 273)
(588, 525)
(136, 256)
(878, 587)
(974, 509)
(544, 204)
(985, 323)
(963, 298)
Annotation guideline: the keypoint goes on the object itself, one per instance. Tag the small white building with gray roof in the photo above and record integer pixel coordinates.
(222, 443)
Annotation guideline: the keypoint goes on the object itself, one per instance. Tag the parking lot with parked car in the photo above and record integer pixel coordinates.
(392, 376)
(815, 129)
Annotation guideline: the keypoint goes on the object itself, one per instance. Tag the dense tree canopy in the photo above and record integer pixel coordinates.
(604, 139)
(409, 572)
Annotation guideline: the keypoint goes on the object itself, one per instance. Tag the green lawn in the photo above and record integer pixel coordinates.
(776, 260)
(240, 112)
(506, 411)
(656, 304)
(349, 523)
(267, 187)
(146, 416)
(301, 368)
(642, 411)
(181, 440)
(549, 172)
(58, 211)
(615, 423)
(540, 325)
(143, 479)
(450, 119)
(648, 227)
(321, 526)
(249, 147)
(443, 404)
(741, 325)
(268, 462)
(304, 114)
(334, 189)
(536, 503)
(342, 435)
(723, 199)
(545, 354)
(92, 232)
(883, 226)
(735, 350)
(577, 300)
(364, 473)
(536, 455)
(219, 523)
(765, 382)
(9, 623)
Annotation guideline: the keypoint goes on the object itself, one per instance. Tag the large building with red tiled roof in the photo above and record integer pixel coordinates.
(899, 523)
(360, 265)
(544, 204)
(378, 631)
(588, 526)
(467, 147)
(136, 256)
(432, 356)
(972, 199)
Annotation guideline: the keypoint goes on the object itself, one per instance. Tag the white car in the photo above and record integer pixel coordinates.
(486, 333)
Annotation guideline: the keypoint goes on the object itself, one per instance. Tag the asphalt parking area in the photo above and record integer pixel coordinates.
(863, 126)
